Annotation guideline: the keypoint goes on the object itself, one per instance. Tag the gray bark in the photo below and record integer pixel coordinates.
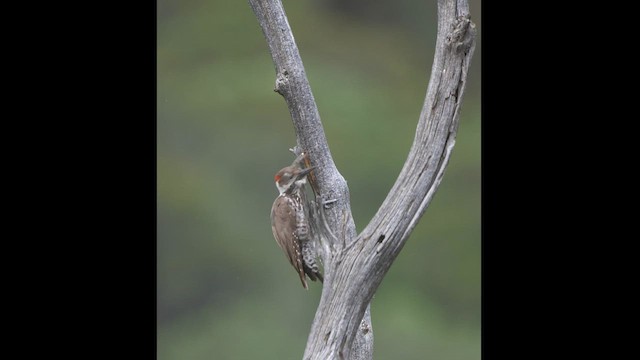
(354, 265)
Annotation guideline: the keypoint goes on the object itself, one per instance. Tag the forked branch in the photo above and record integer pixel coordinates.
(356, 265)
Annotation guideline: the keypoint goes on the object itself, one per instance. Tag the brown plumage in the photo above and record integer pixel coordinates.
(288, 233)
(289, 221)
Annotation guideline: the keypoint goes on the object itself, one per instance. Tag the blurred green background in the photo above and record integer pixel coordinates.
(225, 289)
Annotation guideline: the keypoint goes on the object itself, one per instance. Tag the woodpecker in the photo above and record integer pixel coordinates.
(290, 224)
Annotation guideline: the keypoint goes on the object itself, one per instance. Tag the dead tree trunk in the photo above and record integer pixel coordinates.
(354, 265)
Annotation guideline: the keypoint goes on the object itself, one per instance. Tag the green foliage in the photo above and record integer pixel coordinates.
(225, 290)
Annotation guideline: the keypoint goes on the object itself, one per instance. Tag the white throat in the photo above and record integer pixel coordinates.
(298, 184)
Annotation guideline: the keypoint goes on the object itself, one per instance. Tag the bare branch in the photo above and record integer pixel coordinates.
(292, 84)
(355, 266)
(377, 246)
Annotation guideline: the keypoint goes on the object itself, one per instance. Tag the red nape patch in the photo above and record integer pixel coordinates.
(277, 177)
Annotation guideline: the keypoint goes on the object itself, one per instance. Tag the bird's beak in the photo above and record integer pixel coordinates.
(304, 172)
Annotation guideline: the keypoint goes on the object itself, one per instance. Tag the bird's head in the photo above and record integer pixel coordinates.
(291, 178)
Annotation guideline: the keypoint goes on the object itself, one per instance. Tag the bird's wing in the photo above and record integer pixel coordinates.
(287, 232)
